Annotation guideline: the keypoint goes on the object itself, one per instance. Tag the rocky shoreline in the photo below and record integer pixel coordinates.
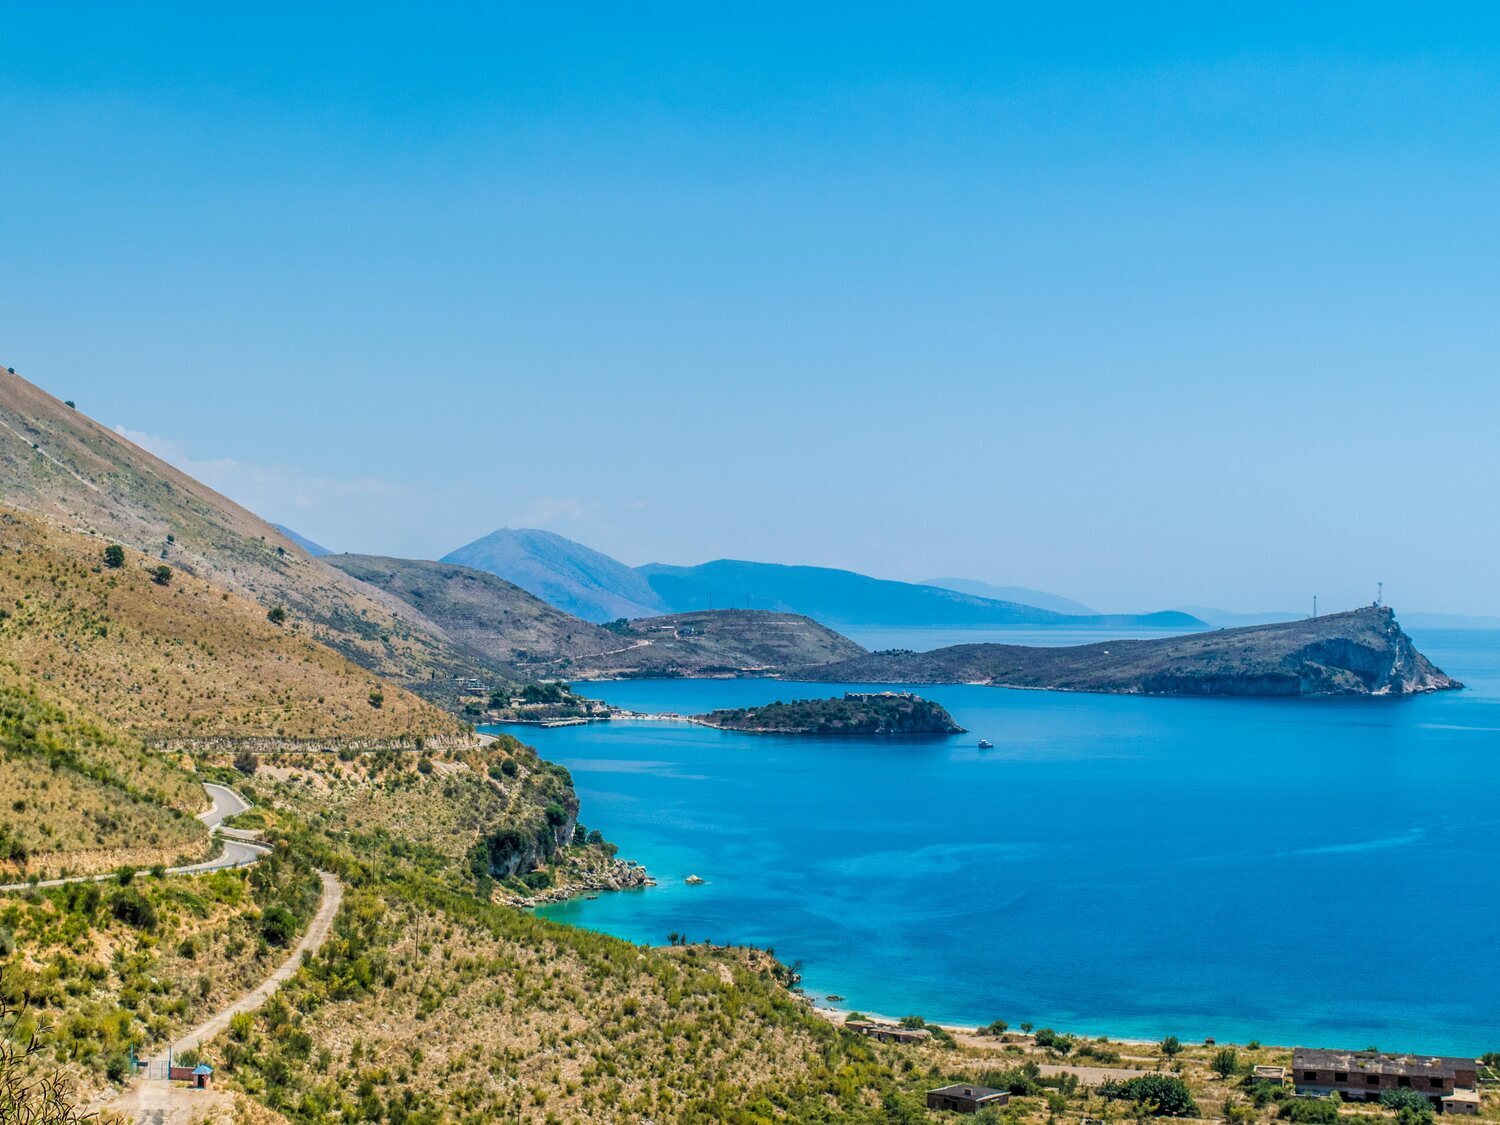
(619, 875)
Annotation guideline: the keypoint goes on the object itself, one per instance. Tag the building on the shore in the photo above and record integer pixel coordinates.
(1450, 1084)
(1276, 1074)
(966, 1099)
(889, 1032)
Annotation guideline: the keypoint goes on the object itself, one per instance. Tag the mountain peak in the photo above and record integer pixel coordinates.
(572, 577)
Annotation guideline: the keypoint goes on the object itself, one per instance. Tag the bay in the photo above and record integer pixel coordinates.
(1316, 872)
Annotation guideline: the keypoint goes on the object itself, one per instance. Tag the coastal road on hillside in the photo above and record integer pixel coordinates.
(153, 1100)
(226, 803)
(239, 848)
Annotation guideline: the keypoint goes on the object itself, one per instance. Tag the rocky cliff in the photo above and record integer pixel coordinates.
(1363, 652)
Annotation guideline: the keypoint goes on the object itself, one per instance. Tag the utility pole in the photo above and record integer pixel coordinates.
(1315, 605)
(1379, 593)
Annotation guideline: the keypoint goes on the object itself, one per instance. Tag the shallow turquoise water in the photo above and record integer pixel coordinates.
(1319, 872)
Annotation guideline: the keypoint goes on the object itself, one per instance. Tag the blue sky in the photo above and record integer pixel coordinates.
(1151, 306)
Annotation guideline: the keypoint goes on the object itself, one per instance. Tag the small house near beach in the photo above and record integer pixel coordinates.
(966, 1099)
(889, 1032)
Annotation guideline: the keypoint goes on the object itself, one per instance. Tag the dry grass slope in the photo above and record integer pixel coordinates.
(80, 798)
(483, 612)
(58, 464)
(185, 659)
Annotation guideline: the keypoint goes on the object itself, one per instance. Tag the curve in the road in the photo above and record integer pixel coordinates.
(239, 848)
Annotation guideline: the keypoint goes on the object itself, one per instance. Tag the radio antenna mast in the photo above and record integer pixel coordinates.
(1315, 605)
(1379, 593)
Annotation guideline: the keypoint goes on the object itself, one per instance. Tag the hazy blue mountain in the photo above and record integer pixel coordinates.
(1225, 619)
(1022, 595)
(302, 541)
(844, 598)
(570, 576)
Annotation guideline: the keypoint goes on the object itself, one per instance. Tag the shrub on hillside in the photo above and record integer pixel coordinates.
(1310, 1111)
(1161, 1095)
(129, 907)
(1409, 1105)
(278, 926)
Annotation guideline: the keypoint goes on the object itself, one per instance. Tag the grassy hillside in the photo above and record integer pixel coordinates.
(1359, 653)
(58, 464)
(483, 612)
(81, 798)
(497, 815)
(725, 642)
(104, 967)
(182, 658)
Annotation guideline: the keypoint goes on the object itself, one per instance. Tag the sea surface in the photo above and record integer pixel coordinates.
(1298, 872)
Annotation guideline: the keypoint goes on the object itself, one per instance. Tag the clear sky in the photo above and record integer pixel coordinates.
(1144, 304)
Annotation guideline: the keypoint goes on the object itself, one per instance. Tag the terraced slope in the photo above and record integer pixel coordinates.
(73, 472)
(183, 659)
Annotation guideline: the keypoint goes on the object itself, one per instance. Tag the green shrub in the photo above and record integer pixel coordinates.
(129, 907)
(1161, 1094)
(1310, 1111)
(1409, 1105)
(278, 926)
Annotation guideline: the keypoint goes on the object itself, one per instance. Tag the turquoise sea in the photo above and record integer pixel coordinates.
(1295, 872)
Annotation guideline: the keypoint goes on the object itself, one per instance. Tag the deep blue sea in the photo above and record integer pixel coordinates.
(1290, 871)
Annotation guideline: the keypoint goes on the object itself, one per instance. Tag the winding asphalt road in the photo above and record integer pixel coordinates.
(239, 848)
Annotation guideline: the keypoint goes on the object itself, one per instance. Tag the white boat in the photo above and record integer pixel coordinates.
(986, 744)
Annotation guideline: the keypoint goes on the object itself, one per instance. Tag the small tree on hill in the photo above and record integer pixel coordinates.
(1225, 1062)
(246, 762)
(1171, 1046)
(161, 575)
(277, 616)
(114, 556)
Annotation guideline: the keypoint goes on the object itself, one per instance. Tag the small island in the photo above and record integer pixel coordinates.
(857, 713)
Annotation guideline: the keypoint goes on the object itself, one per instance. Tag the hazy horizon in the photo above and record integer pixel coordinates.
(1149, 308)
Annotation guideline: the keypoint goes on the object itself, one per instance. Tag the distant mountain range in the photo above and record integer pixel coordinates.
(594, 586)
(568, 575)
(1022, 595)
(313, 549)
